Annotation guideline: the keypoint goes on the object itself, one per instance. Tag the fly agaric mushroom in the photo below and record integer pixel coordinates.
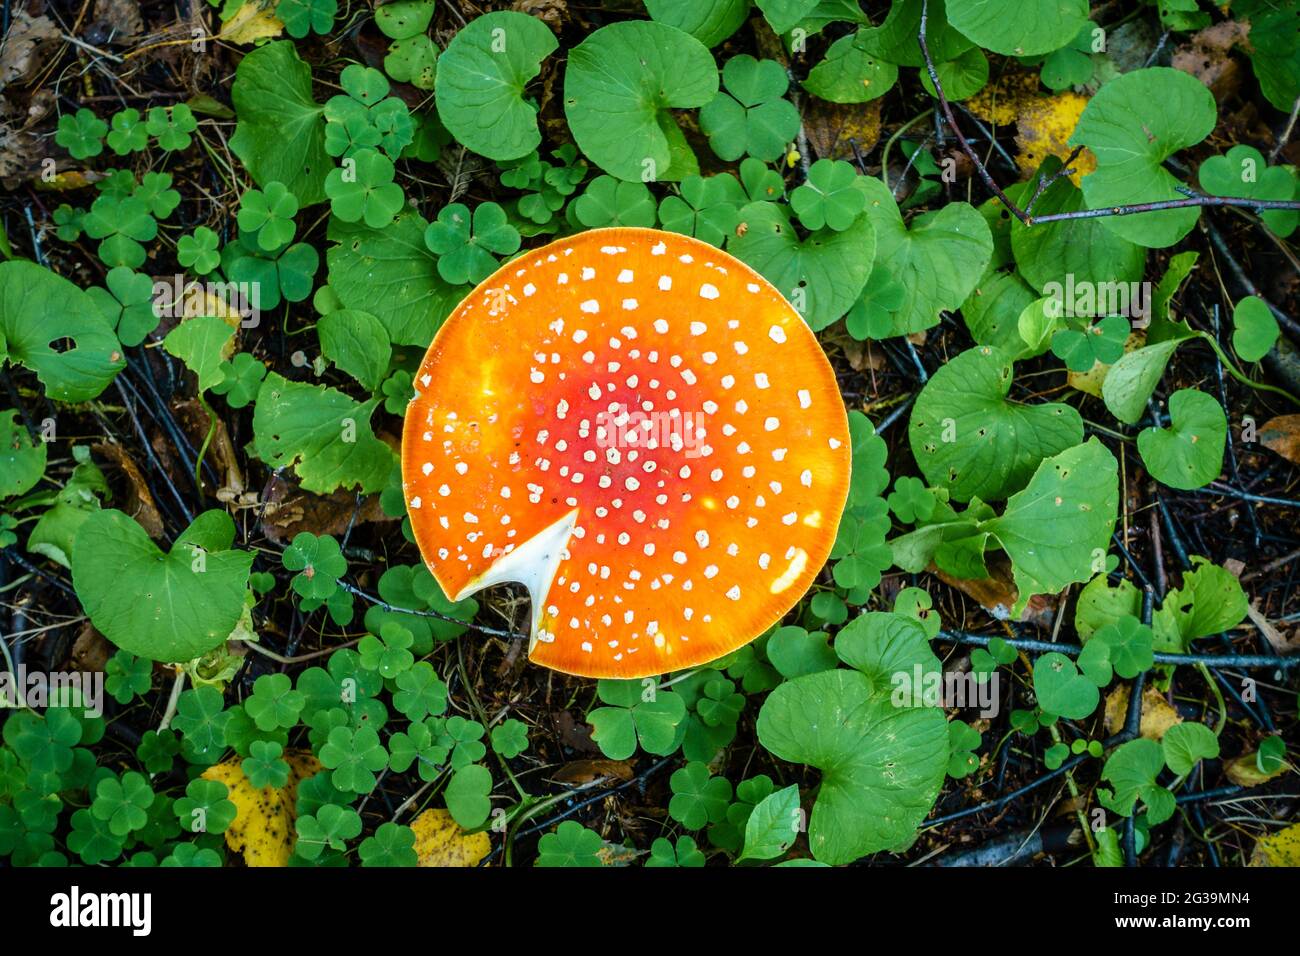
(639, 429)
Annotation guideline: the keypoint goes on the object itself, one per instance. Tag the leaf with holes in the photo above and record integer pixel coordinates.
(882, 765)
(969, 437)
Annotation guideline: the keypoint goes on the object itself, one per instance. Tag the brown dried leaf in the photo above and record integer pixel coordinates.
(142, 506)
(833, 129)
(1206, 56)
(1282, 435)
(24, 46)
(578, 772)
(997, 593)
(289, 510)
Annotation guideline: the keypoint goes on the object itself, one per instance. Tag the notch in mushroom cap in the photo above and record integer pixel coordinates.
(638, 428)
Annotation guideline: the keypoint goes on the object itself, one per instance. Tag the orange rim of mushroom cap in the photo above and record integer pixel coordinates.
(642, 431)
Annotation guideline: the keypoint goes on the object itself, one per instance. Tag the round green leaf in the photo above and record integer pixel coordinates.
(619, 86)
(881, 765)
(1132, 140)
(1189, 453)
(968, 437)
(170, 607)
(1254, 329)
(1019, 27)
(709, 21)
(1186, 744)
(481, 80)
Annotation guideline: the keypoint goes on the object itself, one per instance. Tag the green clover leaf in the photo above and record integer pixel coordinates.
(750, 117)
(829, 198)
(129, 132)
(205, 808)
(198, 250)
(122, 802)
(81, 134)
(392, 844)
(363, 189)
(274, 703)
(270, 214)
(611, 202)
(127, 676)
(172, 128)
(465, 244)
(301, 17)
(319, 562)
(569, 845)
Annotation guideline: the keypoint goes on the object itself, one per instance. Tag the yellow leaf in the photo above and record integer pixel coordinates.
(1091, 380)
(1244, 770)
(1157, 714)
(1000, 102)
(1043, 123)
(439, 841)
(263, 830)
(251, 22)
(1280, 849)
(1044, 126)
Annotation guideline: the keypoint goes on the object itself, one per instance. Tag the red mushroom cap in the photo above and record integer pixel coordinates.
(638, 428)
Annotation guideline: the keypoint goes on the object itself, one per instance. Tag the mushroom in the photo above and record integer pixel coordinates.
(639, 429)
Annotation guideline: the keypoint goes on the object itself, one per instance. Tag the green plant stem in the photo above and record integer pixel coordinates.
(207, 440)
(1242, 378)
(9, 663)
(884, 153)
(1218, 696)
(1074, 792)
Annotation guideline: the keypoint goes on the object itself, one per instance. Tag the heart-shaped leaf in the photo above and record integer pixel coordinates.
(938, 260)
(619, 86)
(968, 437)
(1132, 141)
(39, 308)
(281, 131)
(709, 21)
(1061, 689)
(1189, 453)
(1187, 744)
(170, 607)
(1058, 528)
(481, 80)
(881, 765)
(1254, 329)
(821, 275)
